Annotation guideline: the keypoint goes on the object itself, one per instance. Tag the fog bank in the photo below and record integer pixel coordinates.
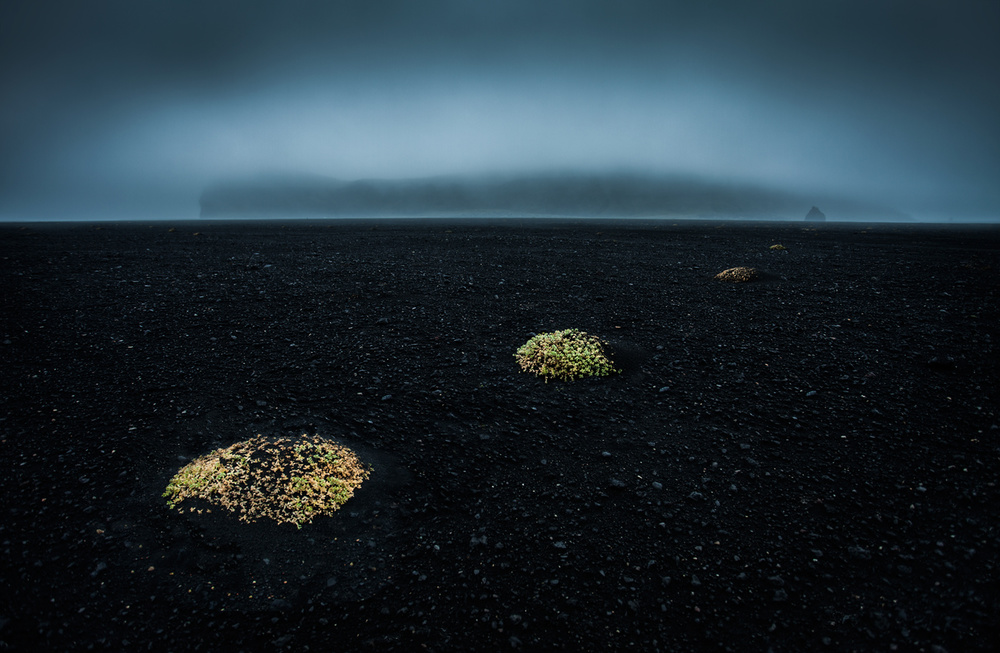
(116, 109)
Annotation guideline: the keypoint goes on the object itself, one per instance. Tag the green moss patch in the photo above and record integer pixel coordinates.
(738, 275)
(567, 355)
(287, 479)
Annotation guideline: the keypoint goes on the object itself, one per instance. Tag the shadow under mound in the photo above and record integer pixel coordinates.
(342, 557)
(628, 357)
(766, 277)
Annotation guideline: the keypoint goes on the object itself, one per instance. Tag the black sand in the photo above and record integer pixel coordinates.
(804, 462)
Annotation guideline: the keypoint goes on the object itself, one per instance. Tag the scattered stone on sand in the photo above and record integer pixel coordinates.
(870, 504)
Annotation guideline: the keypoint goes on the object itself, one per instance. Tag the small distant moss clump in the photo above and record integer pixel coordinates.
(738, 275)
(778, 248)
(567, 355)
(289, 480)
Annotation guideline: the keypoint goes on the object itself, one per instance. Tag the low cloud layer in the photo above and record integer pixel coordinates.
(126, 109)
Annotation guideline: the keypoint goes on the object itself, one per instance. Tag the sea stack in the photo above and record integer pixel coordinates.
(815, 215)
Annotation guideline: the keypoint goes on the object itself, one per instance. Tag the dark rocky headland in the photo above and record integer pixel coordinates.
(552, 195)
(803, 462)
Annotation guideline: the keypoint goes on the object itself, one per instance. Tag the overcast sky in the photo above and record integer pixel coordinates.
(127, 109)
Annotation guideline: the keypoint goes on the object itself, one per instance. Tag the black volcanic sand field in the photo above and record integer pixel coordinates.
(806, 462)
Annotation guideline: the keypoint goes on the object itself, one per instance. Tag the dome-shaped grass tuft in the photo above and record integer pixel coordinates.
(738, 275)
(567, 355)
(287, 479)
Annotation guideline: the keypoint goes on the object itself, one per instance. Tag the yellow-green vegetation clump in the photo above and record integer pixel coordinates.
(738, 275)
(287, 479)
(567, 355)
(778, 248)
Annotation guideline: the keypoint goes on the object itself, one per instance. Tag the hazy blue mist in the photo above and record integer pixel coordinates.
(129, 109)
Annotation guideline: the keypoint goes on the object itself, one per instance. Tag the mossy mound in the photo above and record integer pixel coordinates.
(287, 479)
(738, 275)
(567, 355)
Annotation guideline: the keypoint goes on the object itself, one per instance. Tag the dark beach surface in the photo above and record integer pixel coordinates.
(805, 462)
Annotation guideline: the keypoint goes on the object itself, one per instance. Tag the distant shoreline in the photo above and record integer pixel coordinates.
(583, 195)
(506, 221)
